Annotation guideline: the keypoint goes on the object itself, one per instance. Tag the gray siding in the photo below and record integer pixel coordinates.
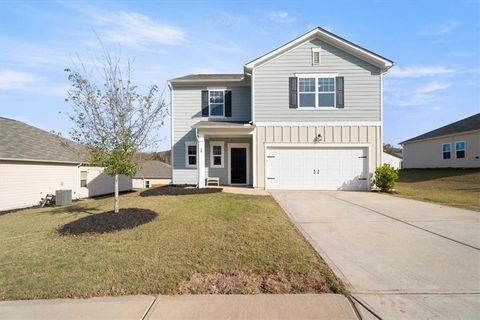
(362, 85)
(187, 111)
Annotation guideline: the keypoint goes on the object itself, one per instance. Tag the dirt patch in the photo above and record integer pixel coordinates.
(177, 190)
(251, 282)
(108, 221)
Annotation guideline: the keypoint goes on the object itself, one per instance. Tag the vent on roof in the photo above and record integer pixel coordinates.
(315, 56)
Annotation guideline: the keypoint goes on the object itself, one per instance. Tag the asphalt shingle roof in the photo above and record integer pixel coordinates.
(468, 124)
(21, 141)
(210, 77)
(154, 169)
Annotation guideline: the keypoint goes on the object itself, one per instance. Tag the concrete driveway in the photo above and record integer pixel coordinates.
(400, 258)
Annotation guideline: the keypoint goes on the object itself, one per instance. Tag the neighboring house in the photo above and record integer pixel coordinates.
(307, 115)
(393, 160)
(456, 145)
(34, 163)
(151, 173)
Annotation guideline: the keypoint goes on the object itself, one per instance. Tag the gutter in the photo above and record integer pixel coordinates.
(37, 160)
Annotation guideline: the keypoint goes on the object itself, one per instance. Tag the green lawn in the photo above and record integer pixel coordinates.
(196, 234)
(453, 187)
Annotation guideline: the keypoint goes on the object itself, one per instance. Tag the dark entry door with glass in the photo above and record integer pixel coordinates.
(238, 165)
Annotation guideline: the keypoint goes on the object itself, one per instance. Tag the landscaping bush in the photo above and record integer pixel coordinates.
(385, 177)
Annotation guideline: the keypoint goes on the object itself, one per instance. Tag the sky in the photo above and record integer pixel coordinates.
(435, 46)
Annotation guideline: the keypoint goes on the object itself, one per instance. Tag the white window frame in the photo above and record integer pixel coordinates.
(86, 179)
(210, 109)
(317, 76)
(314, 51)
(147, 184)
(464, 149)
(222, 155)
(449, 144)
(188, 144)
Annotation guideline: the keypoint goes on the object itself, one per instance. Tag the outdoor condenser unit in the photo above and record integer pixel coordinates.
(63, 197)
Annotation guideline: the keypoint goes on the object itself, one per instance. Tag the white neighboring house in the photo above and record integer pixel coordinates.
(34, 163)
(394, 161)
(456, 145)
(151, 173)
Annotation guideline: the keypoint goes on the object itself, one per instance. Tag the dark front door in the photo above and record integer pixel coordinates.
(238, 165)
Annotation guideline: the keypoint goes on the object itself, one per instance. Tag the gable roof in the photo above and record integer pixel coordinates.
(154, 169)
(339, 42)
(468, 124)
(20, 141)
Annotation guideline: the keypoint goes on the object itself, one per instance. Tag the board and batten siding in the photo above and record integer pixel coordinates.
(306, 134)
(187, 111)
(362, 85)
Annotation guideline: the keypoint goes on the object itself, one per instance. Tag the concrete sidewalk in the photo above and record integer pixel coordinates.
(299, 306)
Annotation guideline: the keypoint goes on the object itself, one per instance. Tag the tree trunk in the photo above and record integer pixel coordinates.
(115, 203)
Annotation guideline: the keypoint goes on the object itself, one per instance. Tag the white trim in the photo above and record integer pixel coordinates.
(450, 151)
(320, 146)
(45, 161)
(201, 160)
(253, 96)
(336, 41)
(238, 145)
(254, 157)
(314, 51)
(464, 149)
(381, 118)
(187, 144)
(316, 92)
(171, 129)
(222, 155)
(442, 136)
(317, 123)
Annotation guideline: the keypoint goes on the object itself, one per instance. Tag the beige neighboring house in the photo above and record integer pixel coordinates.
(306, 116)
(152, 173)
(34, 163)
(456, 145)
(395, 161)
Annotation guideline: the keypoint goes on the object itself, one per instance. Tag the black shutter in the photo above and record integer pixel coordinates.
(293, 92)
(340, 92)
(204, 103)
(228, 103)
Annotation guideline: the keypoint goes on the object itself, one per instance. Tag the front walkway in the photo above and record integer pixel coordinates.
(298, 306)
(401, 258)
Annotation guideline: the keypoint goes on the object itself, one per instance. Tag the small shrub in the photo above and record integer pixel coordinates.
(385, 177)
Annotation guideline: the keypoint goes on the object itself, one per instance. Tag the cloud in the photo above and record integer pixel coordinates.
(421, 96)
(136, 28)
(14, 80)
(417, 72)
(281, 17)
(439, 30)
(231, 19)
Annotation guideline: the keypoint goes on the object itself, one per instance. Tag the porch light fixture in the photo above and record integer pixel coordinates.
(318, 138)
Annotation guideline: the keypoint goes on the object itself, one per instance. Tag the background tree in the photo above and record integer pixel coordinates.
(111, 119)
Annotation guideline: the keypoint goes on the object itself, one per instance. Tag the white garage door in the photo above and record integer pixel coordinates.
(316, 168)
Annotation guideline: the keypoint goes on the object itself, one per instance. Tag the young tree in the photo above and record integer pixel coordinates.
(111, 119)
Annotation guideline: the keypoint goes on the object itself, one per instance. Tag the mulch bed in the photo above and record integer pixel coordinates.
(251, 282)
(178, 190)
(109, 221)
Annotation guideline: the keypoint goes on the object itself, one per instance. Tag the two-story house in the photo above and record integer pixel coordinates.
(305, 116)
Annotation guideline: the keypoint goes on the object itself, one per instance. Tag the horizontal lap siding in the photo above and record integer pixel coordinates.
(362, 86)
(306, 134)
(187, 111)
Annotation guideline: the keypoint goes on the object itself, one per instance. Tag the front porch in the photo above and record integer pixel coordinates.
(225, 151)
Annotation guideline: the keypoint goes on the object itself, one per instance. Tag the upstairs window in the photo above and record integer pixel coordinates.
(316, 92)
(460, 149)
(191, 154)
(217, 103)
(446, 150)
(306, 92)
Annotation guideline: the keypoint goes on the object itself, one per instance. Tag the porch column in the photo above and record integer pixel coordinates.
(201, 161)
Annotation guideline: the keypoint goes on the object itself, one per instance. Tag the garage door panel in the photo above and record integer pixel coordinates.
(317, 168)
